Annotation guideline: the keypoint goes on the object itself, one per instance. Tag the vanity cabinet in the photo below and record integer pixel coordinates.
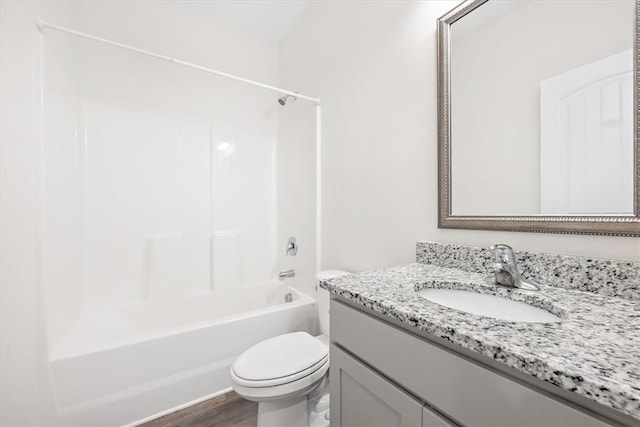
(383, 375)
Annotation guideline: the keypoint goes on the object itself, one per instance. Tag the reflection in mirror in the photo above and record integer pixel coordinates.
(541, 109)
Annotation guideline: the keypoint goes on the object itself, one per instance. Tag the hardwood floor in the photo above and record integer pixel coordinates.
(228, 410)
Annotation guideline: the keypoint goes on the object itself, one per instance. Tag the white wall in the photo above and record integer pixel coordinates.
(373, 64)
(25, 395)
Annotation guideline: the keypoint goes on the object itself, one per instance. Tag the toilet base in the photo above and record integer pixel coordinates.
(319, 412)
(289, 412)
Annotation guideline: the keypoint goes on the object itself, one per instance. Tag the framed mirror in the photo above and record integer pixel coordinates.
(538, 116)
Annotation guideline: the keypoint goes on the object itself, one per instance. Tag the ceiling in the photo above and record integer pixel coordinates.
(268, 19)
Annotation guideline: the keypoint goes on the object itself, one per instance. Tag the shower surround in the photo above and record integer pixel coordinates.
(165, 211)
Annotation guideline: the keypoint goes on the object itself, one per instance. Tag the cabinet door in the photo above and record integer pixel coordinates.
(362, 398)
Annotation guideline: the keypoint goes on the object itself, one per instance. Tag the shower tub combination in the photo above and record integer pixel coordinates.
(124, 365)
(151, 237)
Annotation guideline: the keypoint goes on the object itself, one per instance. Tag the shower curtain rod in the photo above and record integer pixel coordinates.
(43, 25)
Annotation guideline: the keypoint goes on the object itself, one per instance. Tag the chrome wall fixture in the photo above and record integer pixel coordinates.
(286, 274)
(292, 246)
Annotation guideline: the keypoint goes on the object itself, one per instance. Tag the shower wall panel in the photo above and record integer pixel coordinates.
(160, 182)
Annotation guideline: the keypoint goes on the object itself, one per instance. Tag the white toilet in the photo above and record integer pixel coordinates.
(280, 372)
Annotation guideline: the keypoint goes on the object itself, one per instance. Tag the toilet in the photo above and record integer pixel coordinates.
(281, 372)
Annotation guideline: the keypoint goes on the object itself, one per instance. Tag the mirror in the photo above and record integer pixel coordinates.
(538, 122)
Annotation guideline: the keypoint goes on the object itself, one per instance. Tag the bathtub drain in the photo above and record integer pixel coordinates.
(288, 297)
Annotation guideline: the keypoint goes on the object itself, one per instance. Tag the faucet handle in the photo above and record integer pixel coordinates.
(292, 246)
(504, 253)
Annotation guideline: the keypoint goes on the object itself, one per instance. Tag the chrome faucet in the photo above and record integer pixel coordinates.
(506, 272)
(286, 274)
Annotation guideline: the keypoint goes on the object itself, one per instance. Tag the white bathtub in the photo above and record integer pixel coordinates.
(118, 366)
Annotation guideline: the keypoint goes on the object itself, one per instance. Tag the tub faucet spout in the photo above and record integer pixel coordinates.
(286, 274)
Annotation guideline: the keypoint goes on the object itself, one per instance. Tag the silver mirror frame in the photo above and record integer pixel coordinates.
(628, 225)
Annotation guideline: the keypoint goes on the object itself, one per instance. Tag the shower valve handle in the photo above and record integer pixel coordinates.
(292, 247)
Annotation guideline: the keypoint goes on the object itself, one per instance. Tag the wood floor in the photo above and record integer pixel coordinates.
(228, 410)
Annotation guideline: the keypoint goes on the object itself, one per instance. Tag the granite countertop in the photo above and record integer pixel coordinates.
(594, 351)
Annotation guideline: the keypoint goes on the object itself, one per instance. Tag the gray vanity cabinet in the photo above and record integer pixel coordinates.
(382, 375)
(362, 397)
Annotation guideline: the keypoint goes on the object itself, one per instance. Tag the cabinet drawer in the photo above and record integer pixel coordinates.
(468, 393)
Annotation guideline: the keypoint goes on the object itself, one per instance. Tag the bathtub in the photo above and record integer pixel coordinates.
(121, 365)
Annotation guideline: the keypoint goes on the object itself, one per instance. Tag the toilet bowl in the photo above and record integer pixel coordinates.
(281, 372)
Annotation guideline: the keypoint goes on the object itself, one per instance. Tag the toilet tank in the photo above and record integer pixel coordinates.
(322, 298)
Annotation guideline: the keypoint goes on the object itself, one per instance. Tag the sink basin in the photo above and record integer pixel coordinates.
(488, 305)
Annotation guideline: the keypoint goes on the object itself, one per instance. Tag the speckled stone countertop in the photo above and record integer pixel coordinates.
(602, 276)
(594, 351)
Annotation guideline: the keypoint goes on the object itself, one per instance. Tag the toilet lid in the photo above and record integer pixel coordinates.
(281, 356)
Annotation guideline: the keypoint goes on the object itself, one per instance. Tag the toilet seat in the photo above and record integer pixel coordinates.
(283, 391)
(285, 365)
(280, 357)
(280, 380)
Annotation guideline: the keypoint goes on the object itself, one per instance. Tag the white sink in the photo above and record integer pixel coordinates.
(488, 305)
